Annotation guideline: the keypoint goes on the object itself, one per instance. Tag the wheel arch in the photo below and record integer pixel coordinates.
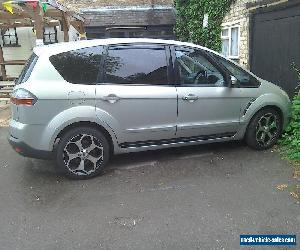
(271, 106)
(250, 135)
(90, 124)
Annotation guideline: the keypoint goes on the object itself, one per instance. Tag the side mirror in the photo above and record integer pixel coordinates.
(233, 81)
(212, 79)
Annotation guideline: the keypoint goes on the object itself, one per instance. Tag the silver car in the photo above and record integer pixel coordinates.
(81, 102)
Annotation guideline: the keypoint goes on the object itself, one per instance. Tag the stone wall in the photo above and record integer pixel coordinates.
(239, 14)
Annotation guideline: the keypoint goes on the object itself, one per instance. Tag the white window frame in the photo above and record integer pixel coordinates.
(229, 28)
(48, 33)
(10, 32)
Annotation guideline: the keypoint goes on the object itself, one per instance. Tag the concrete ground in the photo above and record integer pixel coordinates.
(4, 114)
(200, 197)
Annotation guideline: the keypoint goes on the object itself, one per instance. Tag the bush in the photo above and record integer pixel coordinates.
(291, 139)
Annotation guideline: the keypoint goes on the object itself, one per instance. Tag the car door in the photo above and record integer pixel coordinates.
(135, 94)
(207, 105)
(247, 83)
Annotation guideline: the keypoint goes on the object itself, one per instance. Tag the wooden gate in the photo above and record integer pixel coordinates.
(275, 44)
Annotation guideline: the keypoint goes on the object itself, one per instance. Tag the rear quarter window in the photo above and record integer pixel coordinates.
(79, 66)
(26, 72)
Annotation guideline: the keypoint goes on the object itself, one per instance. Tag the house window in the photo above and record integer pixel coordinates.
(10, 37)
(230, 41)
(50, 35)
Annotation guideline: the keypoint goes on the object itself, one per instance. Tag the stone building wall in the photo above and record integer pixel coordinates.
(239, 14)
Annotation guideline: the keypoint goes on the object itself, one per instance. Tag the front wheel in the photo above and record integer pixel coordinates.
(264, 129)
(82, 153)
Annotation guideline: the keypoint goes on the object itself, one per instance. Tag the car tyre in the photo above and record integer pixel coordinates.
(264, 129)
(82, 153)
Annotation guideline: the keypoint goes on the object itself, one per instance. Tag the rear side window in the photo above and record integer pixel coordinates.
(79, 66)
(26, 72)
(140, 64)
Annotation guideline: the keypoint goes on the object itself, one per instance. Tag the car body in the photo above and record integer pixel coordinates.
(141, 94)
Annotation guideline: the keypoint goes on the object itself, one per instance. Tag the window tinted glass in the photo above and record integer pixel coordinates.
(79, 66)
(243, 77)
(27, 69)
(136, 65)
(194, 68)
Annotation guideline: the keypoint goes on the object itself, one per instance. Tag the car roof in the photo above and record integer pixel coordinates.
(57, 48)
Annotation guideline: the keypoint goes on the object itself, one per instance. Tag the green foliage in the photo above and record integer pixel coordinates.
(189, 25)
(291, 139)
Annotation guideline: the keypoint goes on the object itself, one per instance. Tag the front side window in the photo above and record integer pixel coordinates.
(79, 66)
(230, 41)
(244, 78)
(194, 68)
(140, 64)
(10, 37)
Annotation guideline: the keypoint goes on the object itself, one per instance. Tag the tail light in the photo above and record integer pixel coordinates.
(23, 97)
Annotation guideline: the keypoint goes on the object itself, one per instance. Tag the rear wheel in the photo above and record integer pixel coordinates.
(264, 129)
(82, 153)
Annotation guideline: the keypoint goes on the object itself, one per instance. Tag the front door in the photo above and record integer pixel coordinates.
(136, 95)
(206, 105)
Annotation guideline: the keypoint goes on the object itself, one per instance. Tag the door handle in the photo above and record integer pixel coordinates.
(190, 98)
(111, 98)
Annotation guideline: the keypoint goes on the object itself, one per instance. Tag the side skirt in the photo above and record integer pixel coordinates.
(182, 140)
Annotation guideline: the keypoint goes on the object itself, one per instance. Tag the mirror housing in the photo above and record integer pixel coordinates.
(212, 79)
(233, 81)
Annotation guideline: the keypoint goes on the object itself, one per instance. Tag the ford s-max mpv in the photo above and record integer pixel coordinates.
(81, 102)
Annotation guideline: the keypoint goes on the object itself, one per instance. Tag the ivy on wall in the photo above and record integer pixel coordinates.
(189, 24)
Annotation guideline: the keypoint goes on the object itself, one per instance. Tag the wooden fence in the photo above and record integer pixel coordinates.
(6, 90)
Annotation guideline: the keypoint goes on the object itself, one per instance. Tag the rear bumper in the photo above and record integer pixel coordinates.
(27, 151)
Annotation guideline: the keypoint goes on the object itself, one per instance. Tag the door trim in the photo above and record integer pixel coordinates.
(151, 129)
(205, 125)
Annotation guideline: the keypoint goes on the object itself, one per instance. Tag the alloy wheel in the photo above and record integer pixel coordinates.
(83, 154)
(267, 129)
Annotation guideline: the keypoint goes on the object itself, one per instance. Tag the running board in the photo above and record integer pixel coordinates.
(176, 140)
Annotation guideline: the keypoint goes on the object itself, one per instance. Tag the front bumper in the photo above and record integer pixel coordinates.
(27, 151)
